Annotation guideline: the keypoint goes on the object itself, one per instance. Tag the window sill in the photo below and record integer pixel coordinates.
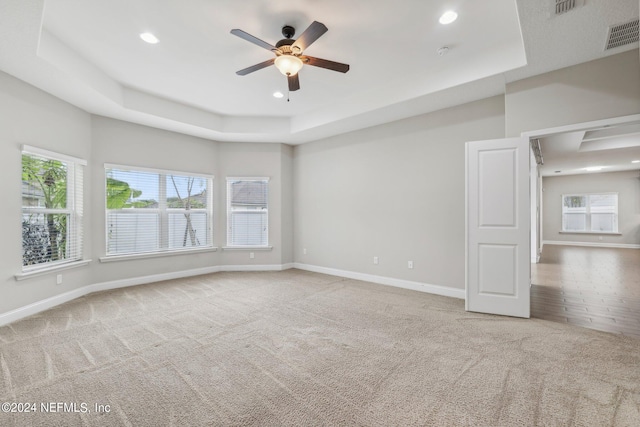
(600, 233)
(49, 269)
(247, 248)
(115, 258)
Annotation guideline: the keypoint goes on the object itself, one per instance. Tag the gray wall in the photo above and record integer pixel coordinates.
(286, 220)
(626, 184)
(395, 191)
(30, 116)
(129, 144)
(601, 89)
(248, 160)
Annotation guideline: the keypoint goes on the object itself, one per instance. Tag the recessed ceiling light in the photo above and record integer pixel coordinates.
(594, 168)
(448, 17)
(635, 161)
(149, 38)
(278, 94)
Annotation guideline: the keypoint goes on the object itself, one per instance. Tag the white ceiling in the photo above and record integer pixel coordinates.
(613, 148)
(88, 53)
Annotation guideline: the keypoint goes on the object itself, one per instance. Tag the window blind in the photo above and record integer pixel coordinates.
(52, 208)
(590, 212)
(247, 212)
(154, 211)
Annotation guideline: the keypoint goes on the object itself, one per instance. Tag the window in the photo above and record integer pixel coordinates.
(51, 208)
(247, 212)
(596, 213)
(156, 211)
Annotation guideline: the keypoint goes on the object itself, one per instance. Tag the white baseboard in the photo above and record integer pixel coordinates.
(40, 306)
(134, 281)
(593, 244)
(277, 267)
(388, 281)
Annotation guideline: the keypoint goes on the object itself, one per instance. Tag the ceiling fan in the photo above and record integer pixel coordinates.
(289, 58)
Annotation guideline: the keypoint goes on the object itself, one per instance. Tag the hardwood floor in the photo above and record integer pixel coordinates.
(597, 288)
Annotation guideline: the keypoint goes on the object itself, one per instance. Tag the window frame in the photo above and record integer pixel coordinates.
(588, 213)
(229, 245)
(74, 210)
(163, 216)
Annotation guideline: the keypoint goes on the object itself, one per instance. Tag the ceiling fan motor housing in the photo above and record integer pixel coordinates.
(285, 42)
(288, 31)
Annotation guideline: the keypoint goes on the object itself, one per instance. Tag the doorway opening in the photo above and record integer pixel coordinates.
(585, 225)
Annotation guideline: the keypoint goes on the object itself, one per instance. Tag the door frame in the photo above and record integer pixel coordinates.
(540, 133)
(590, 125)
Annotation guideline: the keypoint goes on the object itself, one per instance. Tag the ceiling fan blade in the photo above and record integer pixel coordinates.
(294, 82)
(256, 67)
(311, 34)
(248, 37)
(325, 63)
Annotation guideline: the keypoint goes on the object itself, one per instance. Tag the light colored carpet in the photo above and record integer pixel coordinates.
(305, 349)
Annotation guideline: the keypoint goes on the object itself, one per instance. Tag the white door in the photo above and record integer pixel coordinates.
(498, 223)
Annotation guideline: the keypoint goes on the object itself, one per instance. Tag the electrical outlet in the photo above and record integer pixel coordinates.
(59, 279)
(252, 255)
(304, 251)
(375, 260)
(410, 264)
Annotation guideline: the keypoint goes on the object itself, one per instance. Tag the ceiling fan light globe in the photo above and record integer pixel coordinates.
(448, 17)
(289, 65)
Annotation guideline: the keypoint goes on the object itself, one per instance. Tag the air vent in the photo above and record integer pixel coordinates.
(563, 6)
(620, 35)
